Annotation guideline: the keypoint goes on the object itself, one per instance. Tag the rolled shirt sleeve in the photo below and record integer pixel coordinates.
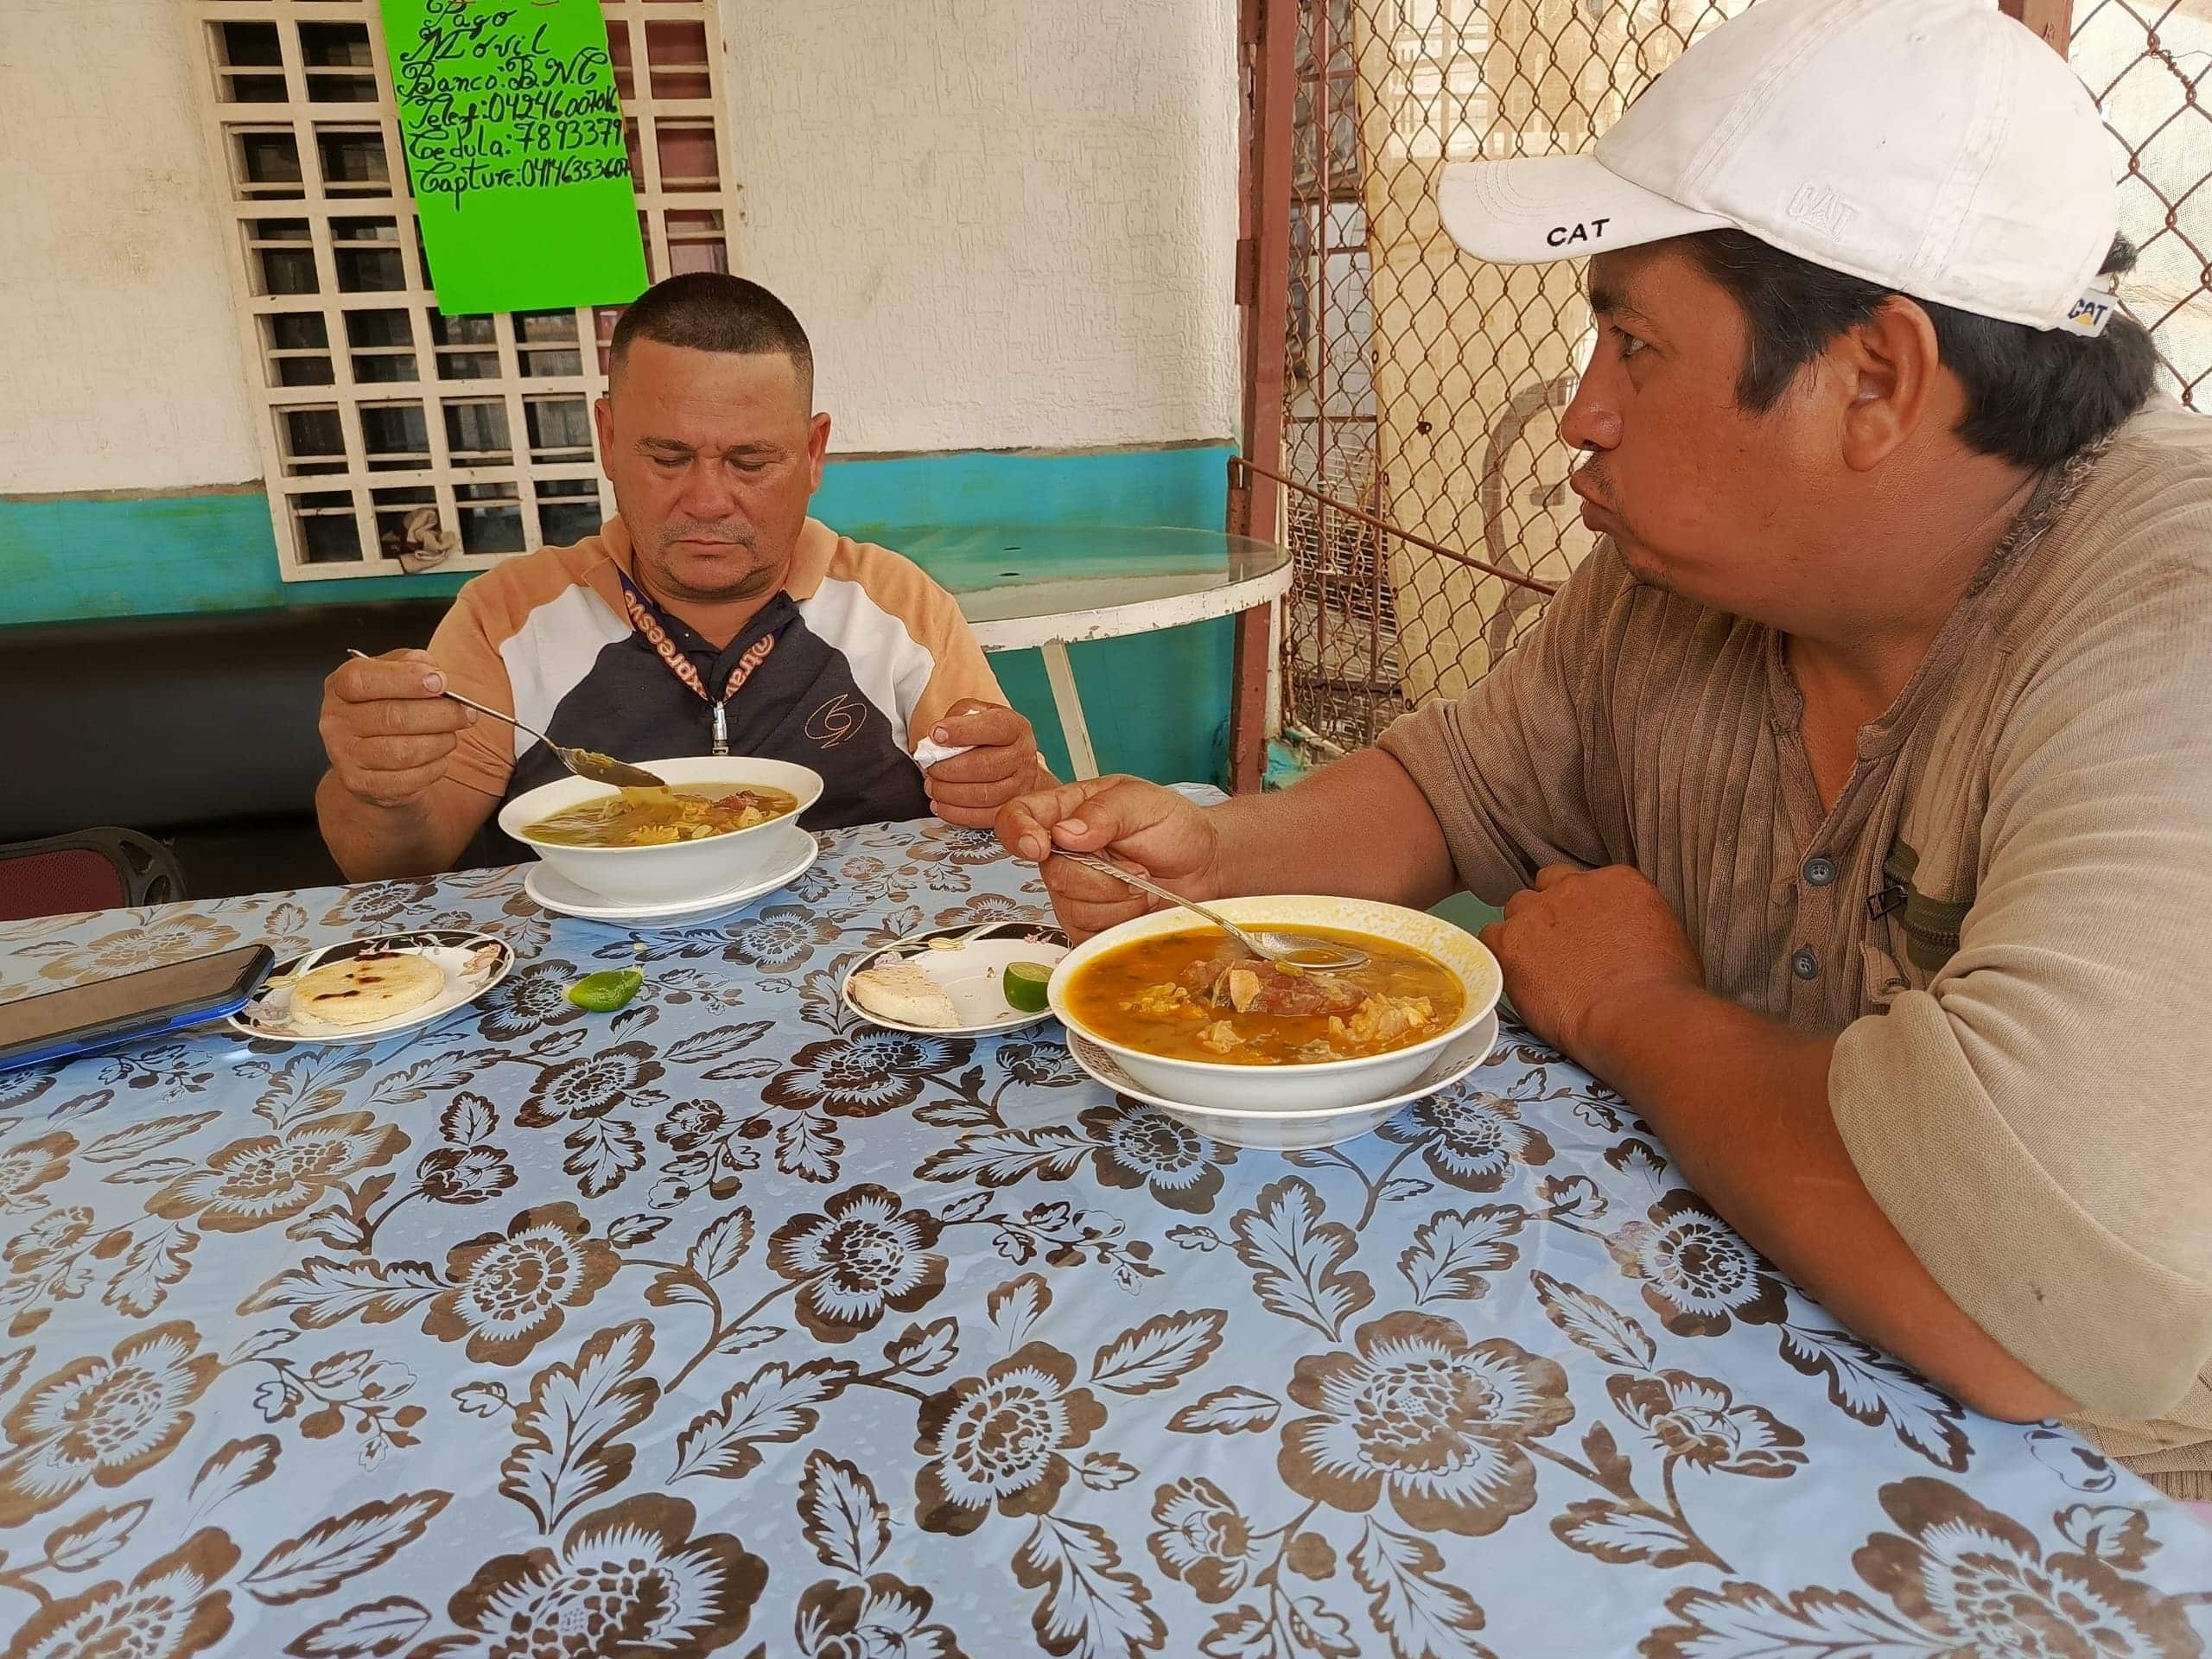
(2038, 1123)
(959, 669)
(1505, 767)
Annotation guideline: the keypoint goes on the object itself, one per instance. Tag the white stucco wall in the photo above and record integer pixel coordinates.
(121, 367)
(1007, 223)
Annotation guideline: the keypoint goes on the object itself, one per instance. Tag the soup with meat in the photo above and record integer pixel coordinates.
(654, 817)
(1198, 996)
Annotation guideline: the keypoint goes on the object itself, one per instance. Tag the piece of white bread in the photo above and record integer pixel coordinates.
(898, 990)
(366, 989)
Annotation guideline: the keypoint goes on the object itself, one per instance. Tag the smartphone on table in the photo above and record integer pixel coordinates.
(81, 1018)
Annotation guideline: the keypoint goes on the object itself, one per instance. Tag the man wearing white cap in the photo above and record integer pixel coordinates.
(1852, 808)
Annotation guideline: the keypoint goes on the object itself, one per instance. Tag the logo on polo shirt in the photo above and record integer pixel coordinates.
(1588, 230)
(837, 720)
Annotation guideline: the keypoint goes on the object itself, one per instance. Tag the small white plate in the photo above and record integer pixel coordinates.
(473, 964)
(557, 893)
(1295, 1131)
(970, 976)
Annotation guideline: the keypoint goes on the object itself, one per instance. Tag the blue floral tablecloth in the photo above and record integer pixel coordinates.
(725, 1324)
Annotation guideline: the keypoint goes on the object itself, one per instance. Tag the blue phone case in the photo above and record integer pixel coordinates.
(68, 1047)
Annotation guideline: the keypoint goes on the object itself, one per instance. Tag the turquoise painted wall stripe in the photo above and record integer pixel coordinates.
(1158, 703)
(64, 559)
(1187, 487)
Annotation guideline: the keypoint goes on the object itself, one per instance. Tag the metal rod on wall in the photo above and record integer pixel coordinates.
(1238, 465)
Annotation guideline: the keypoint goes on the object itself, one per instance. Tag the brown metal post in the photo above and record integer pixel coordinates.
(2052, 19)
(1267, 36)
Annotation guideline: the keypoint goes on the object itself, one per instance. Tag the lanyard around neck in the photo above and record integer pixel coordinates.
(645, 617)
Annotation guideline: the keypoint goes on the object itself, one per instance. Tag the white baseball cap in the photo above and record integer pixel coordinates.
(1935, 147)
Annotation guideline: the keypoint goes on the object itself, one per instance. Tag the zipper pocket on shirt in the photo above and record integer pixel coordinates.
(1931, 926)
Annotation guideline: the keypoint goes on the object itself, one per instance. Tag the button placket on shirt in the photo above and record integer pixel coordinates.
(1815, 894)
(1809, 878)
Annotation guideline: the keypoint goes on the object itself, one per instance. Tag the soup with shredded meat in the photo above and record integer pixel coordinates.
(1200, 996)
(655, 817)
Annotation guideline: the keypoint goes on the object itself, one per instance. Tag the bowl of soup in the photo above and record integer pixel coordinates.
(1192, 1017)
(724, 821)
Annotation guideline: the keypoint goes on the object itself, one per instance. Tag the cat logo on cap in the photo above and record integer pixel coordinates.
(2089, 313)
(1563, 236)
(1822, 208)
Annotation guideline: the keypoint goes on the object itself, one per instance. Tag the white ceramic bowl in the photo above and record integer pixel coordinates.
(1326, 1085)
(683, 869)
(1323, 1126)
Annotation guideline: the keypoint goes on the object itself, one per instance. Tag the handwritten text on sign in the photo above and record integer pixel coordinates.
(514, 142)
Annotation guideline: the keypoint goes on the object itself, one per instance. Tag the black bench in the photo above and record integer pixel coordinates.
(198, 729)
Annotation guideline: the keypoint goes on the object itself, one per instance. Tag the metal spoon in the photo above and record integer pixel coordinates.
(1296, 951)
(585, 763)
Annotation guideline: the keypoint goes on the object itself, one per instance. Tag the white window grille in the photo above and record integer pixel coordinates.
(372, 406)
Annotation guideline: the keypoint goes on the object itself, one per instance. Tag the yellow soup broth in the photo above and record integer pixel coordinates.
(655, 817)
(1198, 995)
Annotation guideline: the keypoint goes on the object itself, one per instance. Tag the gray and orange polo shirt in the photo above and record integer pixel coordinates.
(867, 655)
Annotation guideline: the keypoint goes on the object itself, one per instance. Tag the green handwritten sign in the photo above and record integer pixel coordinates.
(513, 133)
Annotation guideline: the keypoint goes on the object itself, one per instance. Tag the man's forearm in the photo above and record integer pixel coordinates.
(1742, 1103)
(379, 843)
(1360, 828)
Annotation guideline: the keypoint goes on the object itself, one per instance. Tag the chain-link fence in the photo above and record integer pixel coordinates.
(1426, 500)
(2146, 64)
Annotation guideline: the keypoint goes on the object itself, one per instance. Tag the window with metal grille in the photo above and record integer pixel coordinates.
(394, 437)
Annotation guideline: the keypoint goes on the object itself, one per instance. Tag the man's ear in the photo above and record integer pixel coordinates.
(1887, 368)
(817, 447)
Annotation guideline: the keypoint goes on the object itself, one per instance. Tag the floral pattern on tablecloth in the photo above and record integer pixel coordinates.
(727, 1323)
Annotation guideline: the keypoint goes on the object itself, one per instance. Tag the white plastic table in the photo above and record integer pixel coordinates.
(1024, 587)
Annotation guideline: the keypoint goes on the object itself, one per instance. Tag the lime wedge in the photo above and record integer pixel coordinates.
(1024, 984)
(606, 991)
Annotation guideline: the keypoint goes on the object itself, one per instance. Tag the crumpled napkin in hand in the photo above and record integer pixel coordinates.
(929, 751)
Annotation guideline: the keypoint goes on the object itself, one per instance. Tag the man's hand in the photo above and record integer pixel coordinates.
(387, 730)
(1153, 830)
(1000, 762)
(1584, 948)
(1596, 965)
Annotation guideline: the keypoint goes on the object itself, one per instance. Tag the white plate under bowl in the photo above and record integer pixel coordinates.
(556, 892)
(970, 976)
(473, 964)
(675, 873)
(1297, 1131)
(1296, 1087)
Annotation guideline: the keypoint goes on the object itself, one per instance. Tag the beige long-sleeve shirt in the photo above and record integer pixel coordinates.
(2023, 1070)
